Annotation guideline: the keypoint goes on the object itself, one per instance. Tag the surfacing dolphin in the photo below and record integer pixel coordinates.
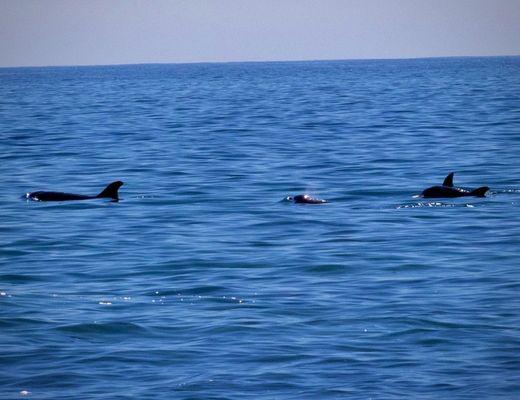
(448, 190)
(110, 192)
(305, 199)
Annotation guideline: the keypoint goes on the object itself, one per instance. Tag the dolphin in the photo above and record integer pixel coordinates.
(305, 199)
(448, 190)
(110, 192)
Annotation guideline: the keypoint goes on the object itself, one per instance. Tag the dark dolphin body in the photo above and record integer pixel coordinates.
(110, 192)
(448, 190)
(305, 199)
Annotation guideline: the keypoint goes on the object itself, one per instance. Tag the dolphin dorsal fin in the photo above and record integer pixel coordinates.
(448, 181)
(111, 191)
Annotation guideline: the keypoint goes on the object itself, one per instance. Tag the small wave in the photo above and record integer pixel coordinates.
(188, 297)
(75, 205)
(19, 322)
(427, 204)
(18, 278)
(505, 191)
(407, 332)
(212, 299)
(113, 328)
(327, 268)
(198, 290)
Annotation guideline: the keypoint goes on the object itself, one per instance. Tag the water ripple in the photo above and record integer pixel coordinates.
(202, 283)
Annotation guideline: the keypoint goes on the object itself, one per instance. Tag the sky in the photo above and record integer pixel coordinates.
(101, 32)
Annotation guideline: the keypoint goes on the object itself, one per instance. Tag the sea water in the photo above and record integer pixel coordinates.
(203, 283)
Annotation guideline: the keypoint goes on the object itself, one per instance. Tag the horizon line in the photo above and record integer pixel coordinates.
(259, 61)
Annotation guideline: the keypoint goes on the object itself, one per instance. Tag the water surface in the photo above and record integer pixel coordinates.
(201, 283)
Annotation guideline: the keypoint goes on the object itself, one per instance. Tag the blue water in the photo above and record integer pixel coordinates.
(202, 283)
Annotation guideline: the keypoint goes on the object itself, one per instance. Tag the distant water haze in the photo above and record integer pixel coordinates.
(99, 32)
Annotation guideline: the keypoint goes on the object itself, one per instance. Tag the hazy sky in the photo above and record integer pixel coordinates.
(70, 32)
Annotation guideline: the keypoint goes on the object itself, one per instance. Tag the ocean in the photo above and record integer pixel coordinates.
(203, 282)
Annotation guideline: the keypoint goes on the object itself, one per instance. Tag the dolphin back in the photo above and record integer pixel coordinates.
(55, 196)
(479, 192)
